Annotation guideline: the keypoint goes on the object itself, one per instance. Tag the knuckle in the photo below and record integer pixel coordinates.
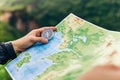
(32, 39)
(34, 30)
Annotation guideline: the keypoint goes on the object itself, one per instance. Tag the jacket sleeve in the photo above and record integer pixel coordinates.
(6, 52)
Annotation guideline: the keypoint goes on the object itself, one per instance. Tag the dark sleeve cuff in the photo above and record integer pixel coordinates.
(10, 50)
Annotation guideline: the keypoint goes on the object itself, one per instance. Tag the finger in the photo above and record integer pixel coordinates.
(53, 28)
(44, 28)
(40, 39)
(40, 30)
(109, 66)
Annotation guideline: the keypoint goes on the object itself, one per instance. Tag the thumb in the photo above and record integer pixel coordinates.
(40, 39)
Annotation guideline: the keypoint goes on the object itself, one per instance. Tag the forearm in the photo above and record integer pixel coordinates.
(6, 52)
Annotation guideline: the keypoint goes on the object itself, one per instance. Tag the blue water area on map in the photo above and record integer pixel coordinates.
(38, 62)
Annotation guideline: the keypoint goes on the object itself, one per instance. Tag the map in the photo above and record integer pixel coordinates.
(75, 48)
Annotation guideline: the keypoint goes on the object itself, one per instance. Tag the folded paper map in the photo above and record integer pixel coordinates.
(75, 48)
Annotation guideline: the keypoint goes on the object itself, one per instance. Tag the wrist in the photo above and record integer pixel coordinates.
(16, 46)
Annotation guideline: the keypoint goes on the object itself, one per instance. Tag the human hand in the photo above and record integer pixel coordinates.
(106, 72)
(29, 39)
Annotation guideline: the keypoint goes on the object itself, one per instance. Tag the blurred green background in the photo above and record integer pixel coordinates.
(18, 17)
